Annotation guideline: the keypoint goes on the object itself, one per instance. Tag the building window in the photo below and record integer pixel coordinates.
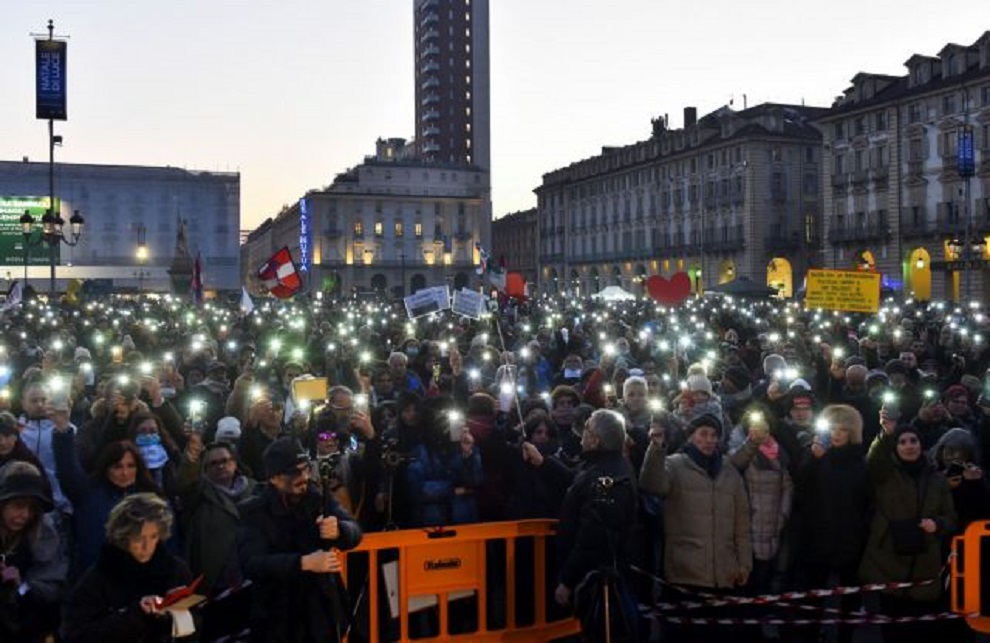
(398, 230)
(860, 126)
(881, 121)
(358, 229)
(985, 96)
(915, 112)
(418, 230)
(948, 104)
(379, 229)
(838, 131)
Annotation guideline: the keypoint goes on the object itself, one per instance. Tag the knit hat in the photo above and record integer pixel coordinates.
(801, 399)
(82, 354)
(956, 390)
(228, 429)
(23, 480)
(705, 419)
(283, 456)
(699, 383)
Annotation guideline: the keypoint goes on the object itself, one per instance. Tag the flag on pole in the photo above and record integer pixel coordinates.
(197, 280)
(246, 304)
(14, 296)
(279, 275)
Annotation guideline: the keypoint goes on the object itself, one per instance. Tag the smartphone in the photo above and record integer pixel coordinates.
(361, 402)
(955, 469)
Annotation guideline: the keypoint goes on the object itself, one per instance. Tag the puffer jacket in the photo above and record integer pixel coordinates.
(898, 495)
(708, 541)
(771, 495)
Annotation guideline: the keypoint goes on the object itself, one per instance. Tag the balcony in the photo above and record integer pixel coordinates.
(429, 35)
(782, 242)
(463, 235)
(431, 147)
(431, 130)
(432, 81)
(858, 233)
(432, 50)
(859, 177)
(430, 99)
(430, 18)
(429, 67)
(911, 229)
(431, 115)
(725, 240)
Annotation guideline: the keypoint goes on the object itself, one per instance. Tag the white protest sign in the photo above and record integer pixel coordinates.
(468, 303)
(426, 301)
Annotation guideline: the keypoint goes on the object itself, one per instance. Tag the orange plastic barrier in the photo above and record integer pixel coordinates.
(970, 571)
(451, 564)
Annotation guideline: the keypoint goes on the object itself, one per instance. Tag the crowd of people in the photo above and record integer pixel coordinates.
(719, 448)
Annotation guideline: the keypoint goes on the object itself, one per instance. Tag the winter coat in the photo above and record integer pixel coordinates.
(209, 526)
(92, 498)
(432, 477)
(595, 520)
(38, 436)
(833, 502)
(537, 492)
(708, 540)
(289, 604)
(105, 606)
(901, 496)
(39, 559)
(771, 494)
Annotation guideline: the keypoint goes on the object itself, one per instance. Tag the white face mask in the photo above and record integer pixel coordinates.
(572, 373)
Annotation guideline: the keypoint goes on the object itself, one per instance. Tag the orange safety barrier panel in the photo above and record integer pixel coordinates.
(450, 564)
(970, 571)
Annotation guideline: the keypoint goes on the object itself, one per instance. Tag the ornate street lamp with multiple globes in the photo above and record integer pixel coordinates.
(53, 234)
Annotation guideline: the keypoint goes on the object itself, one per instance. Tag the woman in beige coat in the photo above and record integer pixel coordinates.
(708, 544)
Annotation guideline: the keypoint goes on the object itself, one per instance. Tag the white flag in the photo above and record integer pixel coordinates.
(246, 304)
(13, 297)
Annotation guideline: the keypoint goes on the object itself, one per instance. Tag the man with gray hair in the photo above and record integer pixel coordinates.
(402, 378)
(596, 522)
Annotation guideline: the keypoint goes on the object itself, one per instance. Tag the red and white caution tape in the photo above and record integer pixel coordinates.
(855, 618)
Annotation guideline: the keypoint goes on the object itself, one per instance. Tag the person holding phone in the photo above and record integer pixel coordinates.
(832, 505)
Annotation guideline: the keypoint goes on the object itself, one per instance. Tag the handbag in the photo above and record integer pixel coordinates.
(907, 537)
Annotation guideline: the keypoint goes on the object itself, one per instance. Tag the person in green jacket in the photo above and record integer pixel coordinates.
(913, 516)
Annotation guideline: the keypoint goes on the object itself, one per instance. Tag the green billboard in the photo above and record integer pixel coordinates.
(12, 208)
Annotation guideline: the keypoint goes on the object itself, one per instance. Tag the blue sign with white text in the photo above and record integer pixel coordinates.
(50, 80)
(967, 155)
(305, 236)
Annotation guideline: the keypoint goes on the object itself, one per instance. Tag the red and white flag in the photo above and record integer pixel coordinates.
(279, 275)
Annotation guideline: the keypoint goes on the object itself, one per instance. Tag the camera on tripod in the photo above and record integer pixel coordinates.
(392, 456)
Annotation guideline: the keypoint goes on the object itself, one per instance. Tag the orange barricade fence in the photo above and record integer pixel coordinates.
(970, 569)
(479, 582)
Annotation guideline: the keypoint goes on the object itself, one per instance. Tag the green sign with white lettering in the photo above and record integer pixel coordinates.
(12, 208)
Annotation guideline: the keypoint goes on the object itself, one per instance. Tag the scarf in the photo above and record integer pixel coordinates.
(236, 489)
(711, 464)
(770, 448)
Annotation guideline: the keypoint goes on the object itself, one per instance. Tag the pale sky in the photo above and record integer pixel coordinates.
(291, 92)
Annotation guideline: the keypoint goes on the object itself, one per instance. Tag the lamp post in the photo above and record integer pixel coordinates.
(26, 222)
(53, 234)
(402, 273)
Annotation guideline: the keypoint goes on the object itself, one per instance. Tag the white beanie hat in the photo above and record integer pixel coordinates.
(698, 383)
(228, 429)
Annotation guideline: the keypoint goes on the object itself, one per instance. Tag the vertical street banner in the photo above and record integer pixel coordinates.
(305, 236)
(50, 80)
(966, 160)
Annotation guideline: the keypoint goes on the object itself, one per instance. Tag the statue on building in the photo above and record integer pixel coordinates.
(181, 270)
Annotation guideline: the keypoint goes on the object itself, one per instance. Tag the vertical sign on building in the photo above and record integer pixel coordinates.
(305, 236)
(966, 154)
(50, 81)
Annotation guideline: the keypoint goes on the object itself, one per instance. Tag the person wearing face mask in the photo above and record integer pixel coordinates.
(913, 516)
(158, 450)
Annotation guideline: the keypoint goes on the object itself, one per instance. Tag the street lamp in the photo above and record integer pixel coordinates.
(53, 234)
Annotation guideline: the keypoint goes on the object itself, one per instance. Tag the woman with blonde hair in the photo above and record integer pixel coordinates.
(120, 597)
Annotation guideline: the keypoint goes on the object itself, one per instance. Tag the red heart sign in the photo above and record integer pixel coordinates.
(669, 293)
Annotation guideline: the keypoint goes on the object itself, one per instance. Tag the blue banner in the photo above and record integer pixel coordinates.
(967, 155)
(50, 85)
(305, 237)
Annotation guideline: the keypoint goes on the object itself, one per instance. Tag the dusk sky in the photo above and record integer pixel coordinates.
(290, 93)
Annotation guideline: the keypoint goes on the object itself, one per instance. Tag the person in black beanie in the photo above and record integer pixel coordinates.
(708, 543)
(914, 514)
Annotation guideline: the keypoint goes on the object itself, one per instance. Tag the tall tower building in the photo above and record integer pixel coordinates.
(452, 81)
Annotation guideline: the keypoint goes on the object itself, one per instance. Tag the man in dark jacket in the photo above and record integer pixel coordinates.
(288, 545)
(598, 511)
